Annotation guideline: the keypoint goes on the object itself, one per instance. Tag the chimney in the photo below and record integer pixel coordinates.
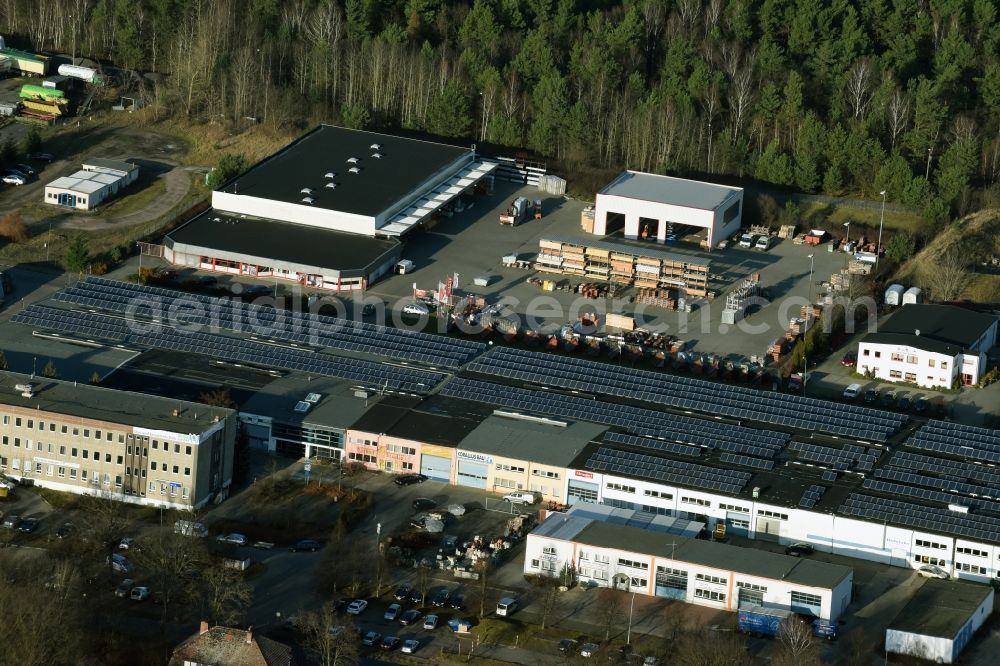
(250, 635)
(204, 628)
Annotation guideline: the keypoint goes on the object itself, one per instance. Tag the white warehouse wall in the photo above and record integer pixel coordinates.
(312, 216)
(633, 209)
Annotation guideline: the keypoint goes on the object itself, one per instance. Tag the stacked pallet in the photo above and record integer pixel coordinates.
(592, 290)
(840, 281)
(810, 311)
(647, 272)
(760, 230)
(786, 231)
(574, 261)
(857, 267)
(598, 262)
(661, 298)
(777, 348)
(587, 219)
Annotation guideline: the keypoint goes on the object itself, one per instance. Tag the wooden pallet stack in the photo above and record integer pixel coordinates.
(661, 298)
(786, 231)
(859, 267)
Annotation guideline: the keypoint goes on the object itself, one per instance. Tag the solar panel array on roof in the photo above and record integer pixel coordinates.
(961, 441)
(643, 466)
(812, 495)
(934, 519)
(840, 459)
(692, 394)
(152, 335)
(141, 301)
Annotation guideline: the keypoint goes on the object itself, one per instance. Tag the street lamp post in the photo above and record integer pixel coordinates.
(881, 220)
(631, 607)
(847, 225)
(805, 359)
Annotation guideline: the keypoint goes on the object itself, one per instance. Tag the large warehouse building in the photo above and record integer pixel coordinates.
(326, 211)
(653, 207)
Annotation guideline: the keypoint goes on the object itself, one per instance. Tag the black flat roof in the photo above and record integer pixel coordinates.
(944, 328)
(257, 238)
(304, 163)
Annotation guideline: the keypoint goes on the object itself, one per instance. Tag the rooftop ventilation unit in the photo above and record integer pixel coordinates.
(301, 407)
(305, 190)
(330, 174)
(308, 200)
(354, 170)
(353, 160)
(331, 185)
(377, 156)
(313, 398)
(376, 146)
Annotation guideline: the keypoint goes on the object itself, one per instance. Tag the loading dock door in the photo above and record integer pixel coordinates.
(768, 529)
(737, 524)
(472, 475)
(581, 491)
(436, 467)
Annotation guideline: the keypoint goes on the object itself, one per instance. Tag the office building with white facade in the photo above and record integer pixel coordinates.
(933, 346)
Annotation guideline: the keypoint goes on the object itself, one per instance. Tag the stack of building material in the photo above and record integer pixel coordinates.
(786, 231)
(859, 267)
(43, 103)
(840, 281)
(661, 298)
(587, 219)
(777, 348)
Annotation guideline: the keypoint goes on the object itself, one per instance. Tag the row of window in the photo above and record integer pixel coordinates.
(772, 514)
(97, 434)
(696, 500)
(633, 564)
(510, 468)
(622, 488)
(403, 450)
(908, 358)
(923, 543)
(545, 473)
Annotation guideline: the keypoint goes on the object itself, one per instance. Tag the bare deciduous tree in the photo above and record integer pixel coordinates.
(947, 277)
(898, 115)
(798, 646)
(610, 604)
(330, 638)
(859, 87)
(546, 593)
(170, 559)
(225, 594)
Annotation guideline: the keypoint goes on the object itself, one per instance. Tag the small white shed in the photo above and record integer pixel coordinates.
(894, 294)
(912, 296)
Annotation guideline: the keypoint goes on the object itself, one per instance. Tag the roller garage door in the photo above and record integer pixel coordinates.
(472, 474)
(436, 467)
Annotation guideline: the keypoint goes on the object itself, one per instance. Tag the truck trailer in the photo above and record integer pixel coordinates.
(516, 213)
(761, 621)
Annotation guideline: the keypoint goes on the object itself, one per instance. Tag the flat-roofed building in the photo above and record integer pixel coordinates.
(130, 446)
(939, 621)
(97, 181)
(656, 556)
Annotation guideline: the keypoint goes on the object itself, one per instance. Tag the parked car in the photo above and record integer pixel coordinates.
(357, 607)
(850, 359)
(763, 244)
(139, 594)
(905, 401)
(799, 549)
(430, 622)
(306, 545)
(933, 571)
(746, 240)
(402, 592)
(28, 525)
(410, 646)
(41, 157)
(871, 395)
(119, 564)
(416, 596)
(26, 169)
(409, 617)
(234, 538)
(368, 309)
(409, 479)
(440, 597)
(588, 650)
(889, 397)
(392, 612)
(423, 504)
(11, 521)
(568, 645)
(64, 530)
(457, 601)
(390, 643)
(852, 391)
(520, 498)
(371, 638)
(417, 309)
(124, 588)
(920, 404)
(14, 179)
(127, 543)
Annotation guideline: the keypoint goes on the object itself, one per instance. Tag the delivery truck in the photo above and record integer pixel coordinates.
(516, 212)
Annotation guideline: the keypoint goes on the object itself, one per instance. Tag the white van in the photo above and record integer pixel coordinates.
(763, 244)
(405, 266)
(506, 606)
(520, 498)
(852, 391)
(746, 240)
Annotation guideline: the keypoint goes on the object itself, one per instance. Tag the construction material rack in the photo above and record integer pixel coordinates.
(646, 268)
